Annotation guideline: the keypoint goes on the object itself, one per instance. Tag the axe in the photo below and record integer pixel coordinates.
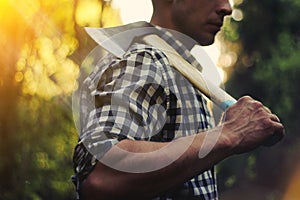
(117, 40)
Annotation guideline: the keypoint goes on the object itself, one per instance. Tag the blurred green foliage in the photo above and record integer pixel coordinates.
(268, 69)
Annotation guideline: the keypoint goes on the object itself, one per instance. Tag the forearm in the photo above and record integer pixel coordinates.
(135, 172)
(155, 168)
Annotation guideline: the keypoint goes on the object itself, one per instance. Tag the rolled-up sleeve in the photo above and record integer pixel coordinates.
(127, 100)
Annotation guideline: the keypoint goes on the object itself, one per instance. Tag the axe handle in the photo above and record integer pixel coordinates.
(213, 92)
(210, 90)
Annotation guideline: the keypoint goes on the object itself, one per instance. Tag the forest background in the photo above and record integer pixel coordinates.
(42, 44)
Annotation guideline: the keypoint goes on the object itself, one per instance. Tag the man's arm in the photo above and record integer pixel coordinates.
(247, 124)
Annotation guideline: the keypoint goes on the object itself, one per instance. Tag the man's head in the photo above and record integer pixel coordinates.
(199, 19)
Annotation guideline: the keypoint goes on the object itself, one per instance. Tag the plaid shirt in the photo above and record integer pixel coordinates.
(141, 97)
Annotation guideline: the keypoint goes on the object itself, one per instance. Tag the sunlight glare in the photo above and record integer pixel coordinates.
(93, 9)
(209, 63)
(237, 15)
(293, 192)
(134, 10)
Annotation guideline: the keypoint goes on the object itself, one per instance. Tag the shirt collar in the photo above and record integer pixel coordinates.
(181, 43)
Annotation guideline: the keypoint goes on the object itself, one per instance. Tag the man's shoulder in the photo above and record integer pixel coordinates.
(146, 50)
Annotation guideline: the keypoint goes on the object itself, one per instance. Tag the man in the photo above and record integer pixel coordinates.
(146, 112)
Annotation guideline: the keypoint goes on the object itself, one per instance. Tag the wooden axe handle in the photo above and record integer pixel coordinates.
(213, 92)
(210, 90)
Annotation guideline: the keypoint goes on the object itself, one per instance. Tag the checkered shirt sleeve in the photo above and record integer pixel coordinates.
(140, 97)
(130, 96)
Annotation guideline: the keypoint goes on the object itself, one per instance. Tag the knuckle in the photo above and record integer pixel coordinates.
(258, 105)
(275, 118)
(245, 98)
(267, 109)
(261, 113)
(266, 122)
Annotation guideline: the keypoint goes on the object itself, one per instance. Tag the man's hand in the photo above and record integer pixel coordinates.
(248, 124)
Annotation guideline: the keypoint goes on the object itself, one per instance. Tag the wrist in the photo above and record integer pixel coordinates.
(225, 143)
(215, 142)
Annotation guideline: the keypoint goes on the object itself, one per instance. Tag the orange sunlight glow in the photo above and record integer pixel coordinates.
(41, 37)
(44, 42)
(293, 192)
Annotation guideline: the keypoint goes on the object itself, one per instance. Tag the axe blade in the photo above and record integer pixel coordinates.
(117, 40)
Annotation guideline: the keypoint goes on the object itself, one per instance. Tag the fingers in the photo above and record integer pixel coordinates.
(277, 129)
(274, 118)
(270, 122)
(247, 106)
(269, 119)
(252, 124)
(255, 107)
(266, 114)
(267, 109)
(277, 132)
(275, 137)
(254, 103)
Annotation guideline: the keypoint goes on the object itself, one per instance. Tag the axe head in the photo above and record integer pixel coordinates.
(117, 40)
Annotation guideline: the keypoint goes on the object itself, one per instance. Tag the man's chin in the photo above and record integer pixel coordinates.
(206, 42)
(206, 39)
